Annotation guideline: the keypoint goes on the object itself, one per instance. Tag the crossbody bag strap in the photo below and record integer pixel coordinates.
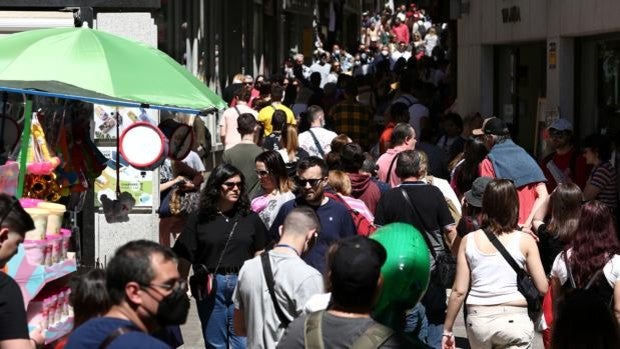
(115, 334)
(264, 258)
(217, 266)
(501, 249)
(389, 173)
(420, 224)
(316, 142)
(569, 271)
(594, 278)
(374, 337)
(313, 334)
(237, 109)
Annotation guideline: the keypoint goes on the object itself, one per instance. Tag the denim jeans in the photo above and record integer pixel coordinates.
(216, 315)
(428, 333)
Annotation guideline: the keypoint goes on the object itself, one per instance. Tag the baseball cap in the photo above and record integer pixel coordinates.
(492, 126)
(356, 265)
(561, 125)
(474, 195)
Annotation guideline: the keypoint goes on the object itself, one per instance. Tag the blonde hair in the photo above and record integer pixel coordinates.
(289, 141)
(340, 182)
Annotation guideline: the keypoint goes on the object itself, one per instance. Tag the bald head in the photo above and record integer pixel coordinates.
(300, 221)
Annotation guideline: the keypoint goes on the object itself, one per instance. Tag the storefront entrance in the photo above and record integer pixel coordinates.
(520, 80)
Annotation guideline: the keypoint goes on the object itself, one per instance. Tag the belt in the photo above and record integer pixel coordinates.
(225, 270)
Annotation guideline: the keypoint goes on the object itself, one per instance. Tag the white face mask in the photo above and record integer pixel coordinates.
(337, 52)
(385, 53)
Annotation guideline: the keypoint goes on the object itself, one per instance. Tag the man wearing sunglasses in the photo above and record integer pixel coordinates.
(14, 223)
(147, 294)
(335, 220)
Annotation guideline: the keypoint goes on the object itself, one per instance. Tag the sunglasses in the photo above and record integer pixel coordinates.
(303, 182)
(262, 173)
(230, 185)
(247, 83)
(14, 202)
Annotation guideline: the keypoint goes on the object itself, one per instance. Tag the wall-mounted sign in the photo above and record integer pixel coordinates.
(511, 14)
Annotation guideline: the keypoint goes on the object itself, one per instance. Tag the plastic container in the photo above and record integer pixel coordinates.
(35, 251)
(66, 241)
(52, 311)
(40, 217)
(56, 241)
(49, 245)
(60, 307)
(54, 218)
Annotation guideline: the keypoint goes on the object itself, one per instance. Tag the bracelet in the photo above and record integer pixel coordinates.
(447, 334)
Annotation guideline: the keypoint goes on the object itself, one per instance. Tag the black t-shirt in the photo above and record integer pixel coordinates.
(338, 332)
(272, 142)
(13, 323)
(548, 246)
(203, 242)
(427, 199)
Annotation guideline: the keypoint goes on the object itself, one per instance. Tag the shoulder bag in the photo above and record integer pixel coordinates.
(202, 284)
(317, 144)
(525, 284)
(264, 258)
(444, 272)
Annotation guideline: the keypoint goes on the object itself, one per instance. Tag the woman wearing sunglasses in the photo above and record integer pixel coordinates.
(218, 238)
(276, 185)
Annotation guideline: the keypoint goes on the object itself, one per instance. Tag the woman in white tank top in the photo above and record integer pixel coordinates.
(497, 312)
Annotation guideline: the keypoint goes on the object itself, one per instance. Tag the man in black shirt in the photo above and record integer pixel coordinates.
(431, 215)
(14, 223)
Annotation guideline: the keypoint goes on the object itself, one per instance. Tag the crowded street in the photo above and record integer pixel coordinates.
(309, 174)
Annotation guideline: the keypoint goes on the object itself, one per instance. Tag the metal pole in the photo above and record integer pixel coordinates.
(23, 156)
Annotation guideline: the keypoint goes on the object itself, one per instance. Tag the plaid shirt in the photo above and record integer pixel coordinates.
(353, 119)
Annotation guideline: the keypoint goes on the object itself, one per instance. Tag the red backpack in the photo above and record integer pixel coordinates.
(363, 226)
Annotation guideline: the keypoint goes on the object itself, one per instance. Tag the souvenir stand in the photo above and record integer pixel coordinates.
(55, 162)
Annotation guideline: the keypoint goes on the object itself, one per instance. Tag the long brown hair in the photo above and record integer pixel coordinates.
(289, 141)
(500, 205)
(564, 205)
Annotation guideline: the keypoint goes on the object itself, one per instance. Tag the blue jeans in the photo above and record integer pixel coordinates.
(428, 333)
(216, 315)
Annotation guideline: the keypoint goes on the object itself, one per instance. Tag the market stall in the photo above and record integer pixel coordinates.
(51, 79)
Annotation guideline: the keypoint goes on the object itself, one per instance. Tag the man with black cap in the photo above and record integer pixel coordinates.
(565, 164)
(354, 279)
(508, 160)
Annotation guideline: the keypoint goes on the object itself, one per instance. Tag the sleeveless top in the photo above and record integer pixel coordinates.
(493, 281)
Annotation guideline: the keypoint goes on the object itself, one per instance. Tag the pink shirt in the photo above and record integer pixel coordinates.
(359, 206)
(527, 193)
(384, 162)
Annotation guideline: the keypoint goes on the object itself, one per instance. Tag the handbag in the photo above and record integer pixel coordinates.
(203, 283)
(525, 284)
(444, 272)
(165, 209)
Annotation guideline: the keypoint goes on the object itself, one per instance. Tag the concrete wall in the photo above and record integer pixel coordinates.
(553, 21)
(143, 223)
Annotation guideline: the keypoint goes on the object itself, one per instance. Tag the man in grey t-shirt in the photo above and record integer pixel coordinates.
(294, 282)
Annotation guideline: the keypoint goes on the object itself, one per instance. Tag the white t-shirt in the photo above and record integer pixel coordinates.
(324, 136)
(228, 124)
(611, 269)
(193, 160)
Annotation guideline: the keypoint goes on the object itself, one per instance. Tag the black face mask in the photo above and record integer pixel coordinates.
(173, 309)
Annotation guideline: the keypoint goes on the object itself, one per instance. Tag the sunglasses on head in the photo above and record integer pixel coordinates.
(231, 185)
(303, 182)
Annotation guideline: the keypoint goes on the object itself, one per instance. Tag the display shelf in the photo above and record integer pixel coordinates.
(32, 278)
(54, 333)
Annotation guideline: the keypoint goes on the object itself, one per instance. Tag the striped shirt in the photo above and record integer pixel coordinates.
(603, 177)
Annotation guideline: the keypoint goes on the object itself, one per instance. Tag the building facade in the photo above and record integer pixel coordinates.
(529, 62)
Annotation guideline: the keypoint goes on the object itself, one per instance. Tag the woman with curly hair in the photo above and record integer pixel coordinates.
(277, 188)
(221, 235)
(592, 258)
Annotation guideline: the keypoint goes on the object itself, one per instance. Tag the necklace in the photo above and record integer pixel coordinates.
(223, 215)
(289, 247)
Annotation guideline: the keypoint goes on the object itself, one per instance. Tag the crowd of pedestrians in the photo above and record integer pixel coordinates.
(316, 158)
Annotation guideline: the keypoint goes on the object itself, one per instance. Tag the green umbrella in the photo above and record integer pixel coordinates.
(98, 67)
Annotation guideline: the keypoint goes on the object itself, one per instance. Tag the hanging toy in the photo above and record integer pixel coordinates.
(41, 160)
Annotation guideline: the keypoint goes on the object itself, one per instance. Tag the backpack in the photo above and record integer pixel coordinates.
(374, 337)
(363, 226)
(597, 284)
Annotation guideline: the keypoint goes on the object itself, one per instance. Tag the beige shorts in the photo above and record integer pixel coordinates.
(499, 327)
